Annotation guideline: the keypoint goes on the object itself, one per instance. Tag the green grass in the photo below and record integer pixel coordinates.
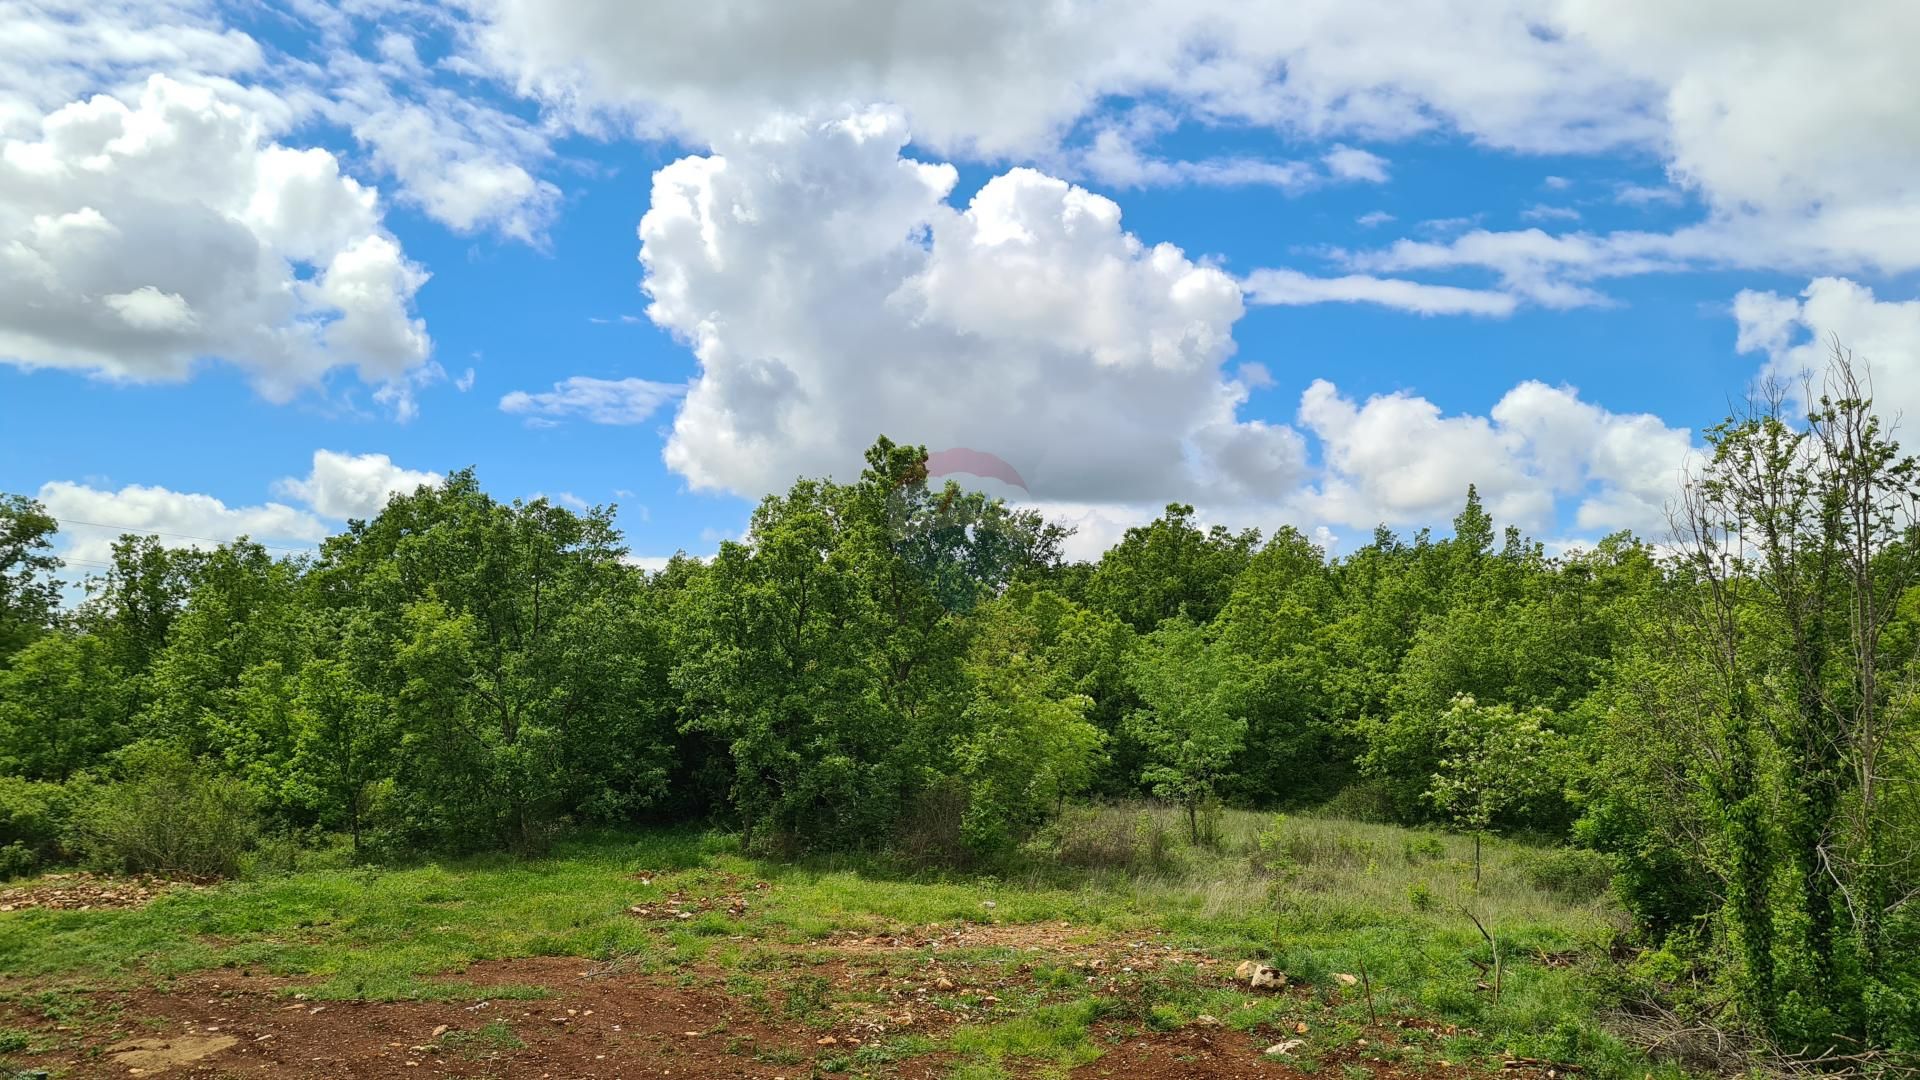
(1312, 896)
(489, 1038)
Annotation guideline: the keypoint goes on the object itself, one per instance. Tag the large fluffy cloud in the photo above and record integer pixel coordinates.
(832, 293)
(1396, 458)
(139, 236)
(463, 157)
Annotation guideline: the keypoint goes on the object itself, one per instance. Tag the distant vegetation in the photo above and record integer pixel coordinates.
(1723, 728)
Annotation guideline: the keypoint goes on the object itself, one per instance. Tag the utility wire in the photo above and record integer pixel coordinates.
(143, 531)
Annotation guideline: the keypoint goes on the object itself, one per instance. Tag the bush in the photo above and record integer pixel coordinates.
(33, 818)
(931, 831)
(1369, 801)
(1109, 838)
(1425, 848)
(1269, 853)
(167, 812)
(1574, 872)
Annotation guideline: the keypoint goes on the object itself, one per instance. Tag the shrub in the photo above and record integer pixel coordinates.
(1574, 872)
(1369, 800)
(167, 812)
(1108, 838)
(1270, 848)
(1424, 849)
(1420, 895)
(1209, 825)
(931, 831)
(33, 817)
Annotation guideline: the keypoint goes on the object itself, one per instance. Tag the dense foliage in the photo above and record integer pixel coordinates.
(1729, 721)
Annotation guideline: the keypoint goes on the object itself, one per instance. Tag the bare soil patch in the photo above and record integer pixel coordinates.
(621, 1025)
(604, 1019)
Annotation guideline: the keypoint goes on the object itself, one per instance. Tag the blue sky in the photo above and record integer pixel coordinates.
(1520, 244)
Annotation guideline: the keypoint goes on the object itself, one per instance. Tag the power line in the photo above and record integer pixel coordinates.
(178, 536)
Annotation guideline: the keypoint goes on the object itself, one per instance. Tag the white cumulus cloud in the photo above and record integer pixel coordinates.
(831, 294)
(352, 485)
(1796, 333)
(1396, 458)
(91, 519)
(140, 236)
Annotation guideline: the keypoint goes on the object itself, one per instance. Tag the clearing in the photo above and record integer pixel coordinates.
(671, 953)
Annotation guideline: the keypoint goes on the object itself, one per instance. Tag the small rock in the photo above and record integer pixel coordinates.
(826, 1040)
(1266, 978)
(943, 983)
(1283, 1049)
(988, 904)
(1346, 979)
(1203, 1020)
(439, 1031)
(1300, 1028)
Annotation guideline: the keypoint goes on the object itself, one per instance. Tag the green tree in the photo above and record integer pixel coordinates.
(511, 642)
(29, 595)
(132, 607)
(1797, 541)
(342, 744)
(1297, 749)
(1194, 722)
(63, 707)
(1025, 745)
(242, 624)
(1169, 567)
(1492, 760)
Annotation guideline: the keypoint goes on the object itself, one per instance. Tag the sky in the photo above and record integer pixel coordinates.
(1320, 264)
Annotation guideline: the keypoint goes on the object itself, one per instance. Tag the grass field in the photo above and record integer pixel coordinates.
(1114, 930)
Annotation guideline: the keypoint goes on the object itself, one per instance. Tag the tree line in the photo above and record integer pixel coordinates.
(889, 665)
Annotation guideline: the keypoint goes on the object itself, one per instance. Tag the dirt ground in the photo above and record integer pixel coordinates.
(612, 1020)
(597, 1023)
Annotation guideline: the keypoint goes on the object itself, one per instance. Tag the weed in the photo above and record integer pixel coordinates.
(806, 996)
(494, 1036)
